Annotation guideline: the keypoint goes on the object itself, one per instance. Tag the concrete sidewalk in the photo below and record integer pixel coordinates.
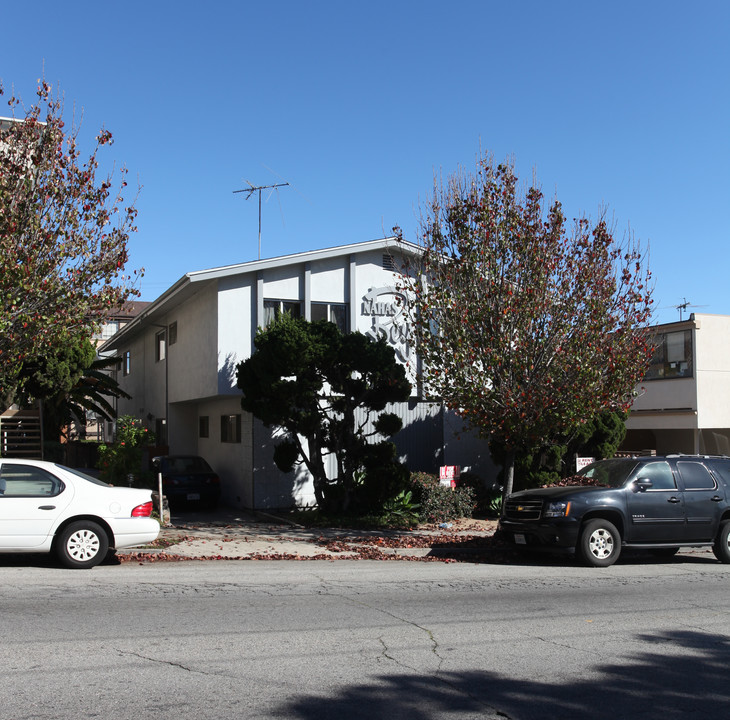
(229, 534)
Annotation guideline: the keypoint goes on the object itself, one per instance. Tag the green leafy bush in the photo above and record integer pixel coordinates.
(124, 457)
(402, 509)
(439, 503)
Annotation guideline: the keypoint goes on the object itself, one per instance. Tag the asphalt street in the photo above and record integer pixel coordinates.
(361, 639)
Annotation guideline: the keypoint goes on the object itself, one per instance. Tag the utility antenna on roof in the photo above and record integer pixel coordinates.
(251, 189)
(684, 306)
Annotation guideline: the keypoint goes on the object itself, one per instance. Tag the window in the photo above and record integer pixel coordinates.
(672, 357)
(203, 426)
(695, 476)
(660, 475)
(28, 481)
(274, 308)
(230, 428)
(160, 346)
(161, 431)
(108, 329)
(173, 333)
(334, 312)
(127, 363)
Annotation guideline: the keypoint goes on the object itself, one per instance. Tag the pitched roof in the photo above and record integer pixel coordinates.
(193, 282)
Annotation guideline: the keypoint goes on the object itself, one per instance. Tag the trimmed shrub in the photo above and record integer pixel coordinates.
(439, 503)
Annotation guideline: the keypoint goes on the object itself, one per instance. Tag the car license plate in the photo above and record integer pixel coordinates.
(520, 539)
(193, 496)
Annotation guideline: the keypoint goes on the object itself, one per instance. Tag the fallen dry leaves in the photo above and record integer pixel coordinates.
(451, 547)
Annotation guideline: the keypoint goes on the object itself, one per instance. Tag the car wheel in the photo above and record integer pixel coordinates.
(82, 544)
(600, 543)
(721, 548)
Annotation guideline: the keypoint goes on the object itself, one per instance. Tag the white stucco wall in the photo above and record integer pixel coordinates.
(380, 306)
(329, 281)
(145, 382)
(713, 370)
(134, 383)
(232, 461)
(658, 395)
(193, 358)
(284, 283)
(236, 312)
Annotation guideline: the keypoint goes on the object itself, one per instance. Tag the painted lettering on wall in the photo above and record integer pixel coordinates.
(386, 308)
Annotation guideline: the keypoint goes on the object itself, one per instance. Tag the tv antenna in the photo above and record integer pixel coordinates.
(251, 189)
(684, 305)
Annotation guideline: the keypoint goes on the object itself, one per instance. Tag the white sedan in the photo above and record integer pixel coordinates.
(46, 507)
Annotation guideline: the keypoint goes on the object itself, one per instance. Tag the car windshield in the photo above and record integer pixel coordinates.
(84, 476)
(191, 464)
(610, 473)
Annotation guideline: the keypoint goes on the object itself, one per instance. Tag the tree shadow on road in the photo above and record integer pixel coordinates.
(682, 674)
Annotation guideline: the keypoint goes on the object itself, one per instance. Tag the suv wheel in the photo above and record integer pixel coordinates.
(721, 547)
(600, 543)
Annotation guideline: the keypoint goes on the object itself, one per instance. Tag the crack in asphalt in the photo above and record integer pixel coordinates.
(435, 651)
(429, 633)
(170, 663)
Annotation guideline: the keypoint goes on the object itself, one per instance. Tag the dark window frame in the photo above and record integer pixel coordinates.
(337, 313)
(160, 345)
(231, 428)
(666, 364)
(161, 431)
(279, 307)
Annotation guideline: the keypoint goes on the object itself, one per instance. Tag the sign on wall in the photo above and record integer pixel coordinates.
(386, 309)
(449, 474)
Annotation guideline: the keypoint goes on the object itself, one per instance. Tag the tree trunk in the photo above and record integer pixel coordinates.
(509, 472)
(318, 494)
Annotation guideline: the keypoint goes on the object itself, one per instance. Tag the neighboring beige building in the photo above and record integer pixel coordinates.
(96, 427)
(683, 405)
(117, 319)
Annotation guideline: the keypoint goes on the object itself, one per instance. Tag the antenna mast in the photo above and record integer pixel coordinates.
(681, 307)
(251, 189)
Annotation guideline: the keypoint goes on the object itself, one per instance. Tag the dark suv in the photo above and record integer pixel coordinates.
(653, 503)
(188, 479)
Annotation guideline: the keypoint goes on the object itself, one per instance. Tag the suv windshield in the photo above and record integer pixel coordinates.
(611, 473)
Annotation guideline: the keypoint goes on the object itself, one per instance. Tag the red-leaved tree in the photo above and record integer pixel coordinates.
(526, 327)
(63, 236)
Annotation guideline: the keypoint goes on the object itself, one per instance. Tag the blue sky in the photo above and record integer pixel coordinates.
(621, 105)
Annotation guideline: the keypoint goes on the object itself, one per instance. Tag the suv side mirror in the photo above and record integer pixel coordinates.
(642, 484)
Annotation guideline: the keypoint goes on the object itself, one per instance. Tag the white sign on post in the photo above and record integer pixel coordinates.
(581, 462)
(449, 474)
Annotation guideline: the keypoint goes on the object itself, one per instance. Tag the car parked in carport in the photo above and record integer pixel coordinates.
(45, 507)
(650, 503)
(188, 479)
